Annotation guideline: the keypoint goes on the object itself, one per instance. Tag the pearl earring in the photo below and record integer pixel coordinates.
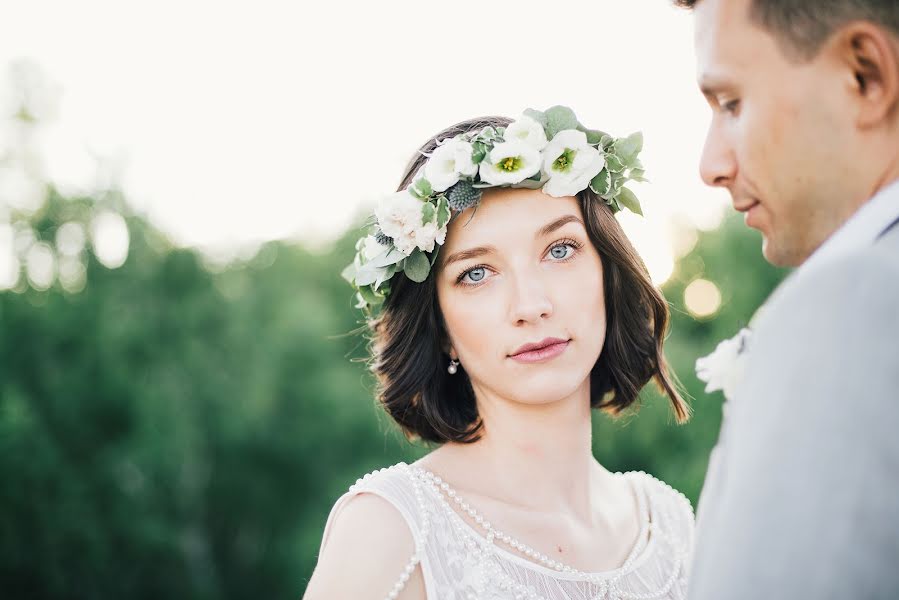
(453, 367)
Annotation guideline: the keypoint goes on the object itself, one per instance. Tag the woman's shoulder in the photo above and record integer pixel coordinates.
(368, 534)
(670, 508)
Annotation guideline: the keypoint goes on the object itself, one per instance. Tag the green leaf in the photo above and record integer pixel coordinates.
(422, 188)
(614, 164)
(370, 296)
(594, 136)
(417, 266)
(427, 212)
(627, 199)
(637, 175)
(478, 152)
(601, 184)
(434, 254)
(537, 115)
(384, 275)
(628, 148)
(443, 212)
(559, 118)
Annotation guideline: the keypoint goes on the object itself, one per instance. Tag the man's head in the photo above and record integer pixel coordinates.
(805, 103)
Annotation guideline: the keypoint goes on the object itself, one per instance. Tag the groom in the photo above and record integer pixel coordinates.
(802, 495)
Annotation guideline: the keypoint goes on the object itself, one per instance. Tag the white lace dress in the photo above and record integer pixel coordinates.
(460, 561)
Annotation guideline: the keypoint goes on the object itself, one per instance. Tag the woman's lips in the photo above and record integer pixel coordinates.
(540, 354)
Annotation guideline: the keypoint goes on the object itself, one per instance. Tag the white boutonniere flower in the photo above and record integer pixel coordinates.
(509, 163)
(449, 162)
(723, 369)
(571, 163)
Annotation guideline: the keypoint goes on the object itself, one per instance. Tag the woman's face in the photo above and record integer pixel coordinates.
(522, 271)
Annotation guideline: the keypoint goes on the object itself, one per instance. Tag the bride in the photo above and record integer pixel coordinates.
(536, 310)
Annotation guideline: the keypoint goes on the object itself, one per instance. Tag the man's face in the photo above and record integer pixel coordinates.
(781, 134)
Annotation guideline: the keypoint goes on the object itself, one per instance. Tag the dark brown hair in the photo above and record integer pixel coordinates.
(804, 25)
(409, 333)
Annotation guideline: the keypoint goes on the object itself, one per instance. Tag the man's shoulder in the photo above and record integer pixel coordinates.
(861, 278)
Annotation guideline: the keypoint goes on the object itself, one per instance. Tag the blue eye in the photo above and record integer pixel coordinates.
(562, 251)
(476, 274)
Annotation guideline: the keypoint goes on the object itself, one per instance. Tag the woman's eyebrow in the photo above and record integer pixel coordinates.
(470, 253)
(482, 250)
(558, 223)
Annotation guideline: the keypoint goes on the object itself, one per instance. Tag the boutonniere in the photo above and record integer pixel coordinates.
(723, 368)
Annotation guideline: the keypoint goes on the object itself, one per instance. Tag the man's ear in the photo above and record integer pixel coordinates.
(872, 53)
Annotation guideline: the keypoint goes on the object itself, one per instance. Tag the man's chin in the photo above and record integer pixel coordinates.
(777, 256)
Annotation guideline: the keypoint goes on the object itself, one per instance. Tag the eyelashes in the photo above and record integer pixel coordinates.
(575, 245)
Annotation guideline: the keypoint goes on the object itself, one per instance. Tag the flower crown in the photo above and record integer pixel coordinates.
(548, 149)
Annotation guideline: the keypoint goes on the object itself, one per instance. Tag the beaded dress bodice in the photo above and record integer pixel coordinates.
(462, 560)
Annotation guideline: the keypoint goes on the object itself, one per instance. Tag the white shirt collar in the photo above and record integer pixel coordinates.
(862, 228)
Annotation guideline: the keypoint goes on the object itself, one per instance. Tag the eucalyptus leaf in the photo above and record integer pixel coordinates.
(559, 118)
(537, 115)
(384, 275)
(594, 136)
(417, 266)
(627, 199)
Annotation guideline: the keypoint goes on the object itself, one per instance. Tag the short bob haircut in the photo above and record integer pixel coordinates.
(409, 337)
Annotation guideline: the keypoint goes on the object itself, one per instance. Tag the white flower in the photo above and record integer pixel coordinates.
(509, 163)
(571, 163)
(400, 216)
(371, 248)
(428, 234)
(527, 130)
(448, 162)
(723, 368)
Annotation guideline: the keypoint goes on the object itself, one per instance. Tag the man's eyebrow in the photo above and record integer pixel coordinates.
(710, 85)
(482, 250)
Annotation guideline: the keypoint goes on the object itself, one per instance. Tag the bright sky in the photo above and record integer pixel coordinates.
(232, 123)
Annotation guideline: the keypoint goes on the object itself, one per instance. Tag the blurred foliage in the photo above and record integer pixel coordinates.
(175, 431)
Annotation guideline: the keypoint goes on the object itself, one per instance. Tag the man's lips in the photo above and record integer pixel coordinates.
(746, 206)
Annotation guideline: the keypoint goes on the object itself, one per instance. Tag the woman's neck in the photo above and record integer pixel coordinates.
(535, 456)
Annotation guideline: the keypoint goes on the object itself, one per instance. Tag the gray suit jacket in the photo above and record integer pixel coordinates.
(802, 495)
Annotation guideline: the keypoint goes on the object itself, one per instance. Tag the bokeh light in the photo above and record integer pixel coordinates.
(702, 297)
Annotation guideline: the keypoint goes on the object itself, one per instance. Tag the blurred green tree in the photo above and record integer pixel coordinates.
(171, 430)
